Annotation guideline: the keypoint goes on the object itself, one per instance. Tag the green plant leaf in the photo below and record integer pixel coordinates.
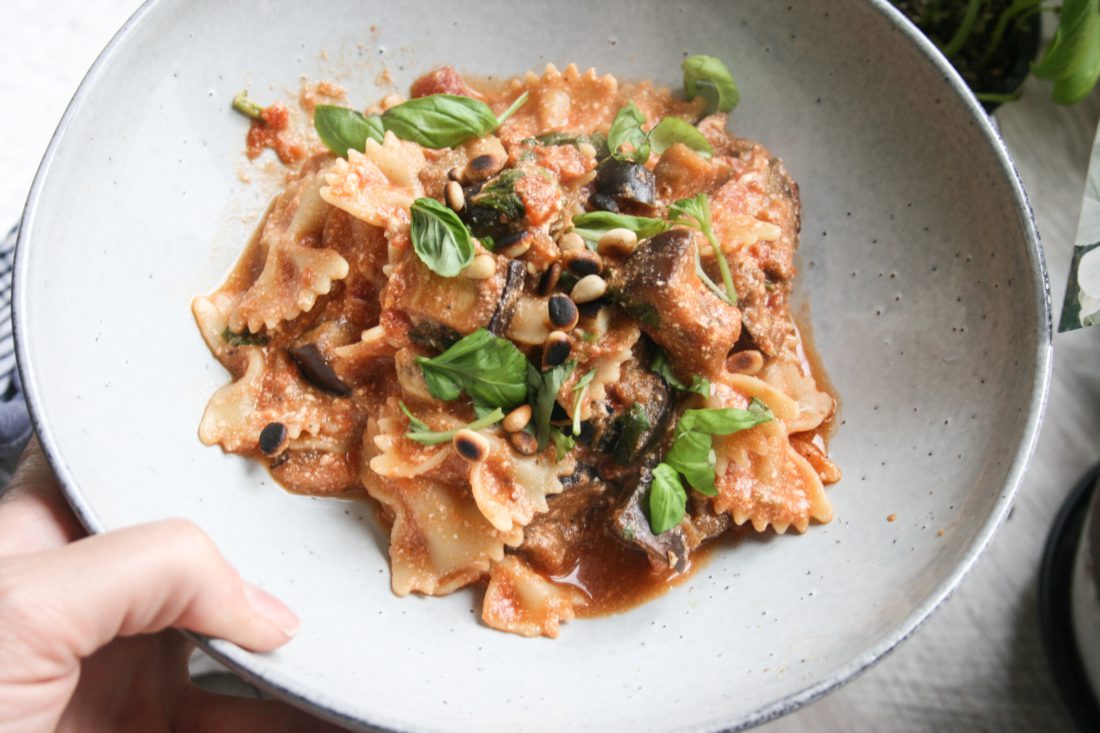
(725, 420)
(662, 368)
(695, 212)
(1072, 61)
(343, 128)
(667, 499)
(627, 128)
(440, 239)
(692, 454)
(672, 130)
(594, 224)
(440, 120)
(708, 76)
(421, 433)
(542, 390)
(490, 369)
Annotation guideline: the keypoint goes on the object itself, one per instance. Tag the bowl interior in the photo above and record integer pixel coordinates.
(919, 266)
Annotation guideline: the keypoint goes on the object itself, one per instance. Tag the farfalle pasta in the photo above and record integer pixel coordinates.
(542, 323)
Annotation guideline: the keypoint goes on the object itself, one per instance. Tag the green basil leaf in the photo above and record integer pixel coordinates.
(1072, 60)
(709, 77)
(562, 443)
(543, 392)
(499, 193)
(672, 130)
(440, 120)
(663, 369)
(667, 499)
(421, 433)
(343, 128)
(725, 420)
(440, 239)
(692, 454)
(490, 369)
(594, 224)
(627, 128)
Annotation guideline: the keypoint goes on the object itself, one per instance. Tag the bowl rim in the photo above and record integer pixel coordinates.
(329, 707)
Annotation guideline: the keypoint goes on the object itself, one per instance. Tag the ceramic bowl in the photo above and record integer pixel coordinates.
(921, 275)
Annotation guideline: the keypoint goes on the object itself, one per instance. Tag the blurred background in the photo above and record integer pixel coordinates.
(978, 664)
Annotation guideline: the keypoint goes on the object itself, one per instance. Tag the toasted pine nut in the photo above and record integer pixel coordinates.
(556, 349)
(483, 267)
(517, 419)
(750, 361)
(514, 245)
(582, 262)
(563, 311)
(482, 168)
(617, 242)
(587, 149)
(571, 242)
(471, 445)
(524, 443)
(589, 288)
(454, 196)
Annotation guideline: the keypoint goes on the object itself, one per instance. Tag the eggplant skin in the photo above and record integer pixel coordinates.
(506, 306)
(626, 182)
(630, 525)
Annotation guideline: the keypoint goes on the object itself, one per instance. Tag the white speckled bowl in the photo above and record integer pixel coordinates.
(920, 262)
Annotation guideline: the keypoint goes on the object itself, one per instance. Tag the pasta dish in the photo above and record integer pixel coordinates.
(544, 323)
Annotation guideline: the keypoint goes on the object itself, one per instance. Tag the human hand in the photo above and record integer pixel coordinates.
(85, 622)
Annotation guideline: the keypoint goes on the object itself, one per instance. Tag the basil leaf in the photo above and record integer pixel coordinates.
(667, 499)
(725, 420)
(596, 140)
(672, 130)
(562, 443)
(692, 454)
(490, 369)
(244, 338)
(1072, 61)
(709, 77)
(627, 128)
(595, 224)
(695, 212)
(543, 392)
(343, 128)
(440, 239)
(500, 194)
(663, 369)
(440, 120)
(246, 106)
(421, 433)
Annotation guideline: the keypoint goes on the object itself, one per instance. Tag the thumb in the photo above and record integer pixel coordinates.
(69, 602)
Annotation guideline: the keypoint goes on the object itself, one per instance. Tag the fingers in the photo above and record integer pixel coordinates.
(73, 600)
(206, 712)
(33, 514)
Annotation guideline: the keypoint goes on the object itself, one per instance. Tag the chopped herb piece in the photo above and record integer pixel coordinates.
(660, 365)
(695, 212)
(562, 443)
(243, 104)
(440, 238)
(667, 499)
(542, 390)
(632, 429)
(421, 433)
(490, 369)
(512, 108)
(500, 194)
(581, 388)
(244, 338)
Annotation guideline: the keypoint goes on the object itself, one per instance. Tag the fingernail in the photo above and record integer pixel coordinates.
(272, 609)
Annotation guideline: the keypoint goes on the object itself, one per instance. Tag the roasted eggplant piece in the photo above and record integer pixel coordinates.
(633, 432)
(630, 524)
(553, 540)
(626, 182)
(659, 286)
(494, 209)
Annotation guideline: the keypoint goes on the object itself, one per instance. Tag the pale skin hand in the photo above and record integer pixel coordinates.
(86, 639)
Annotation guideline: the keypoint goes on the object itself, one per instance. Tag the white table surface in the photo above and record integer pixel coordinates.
(978, 664)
